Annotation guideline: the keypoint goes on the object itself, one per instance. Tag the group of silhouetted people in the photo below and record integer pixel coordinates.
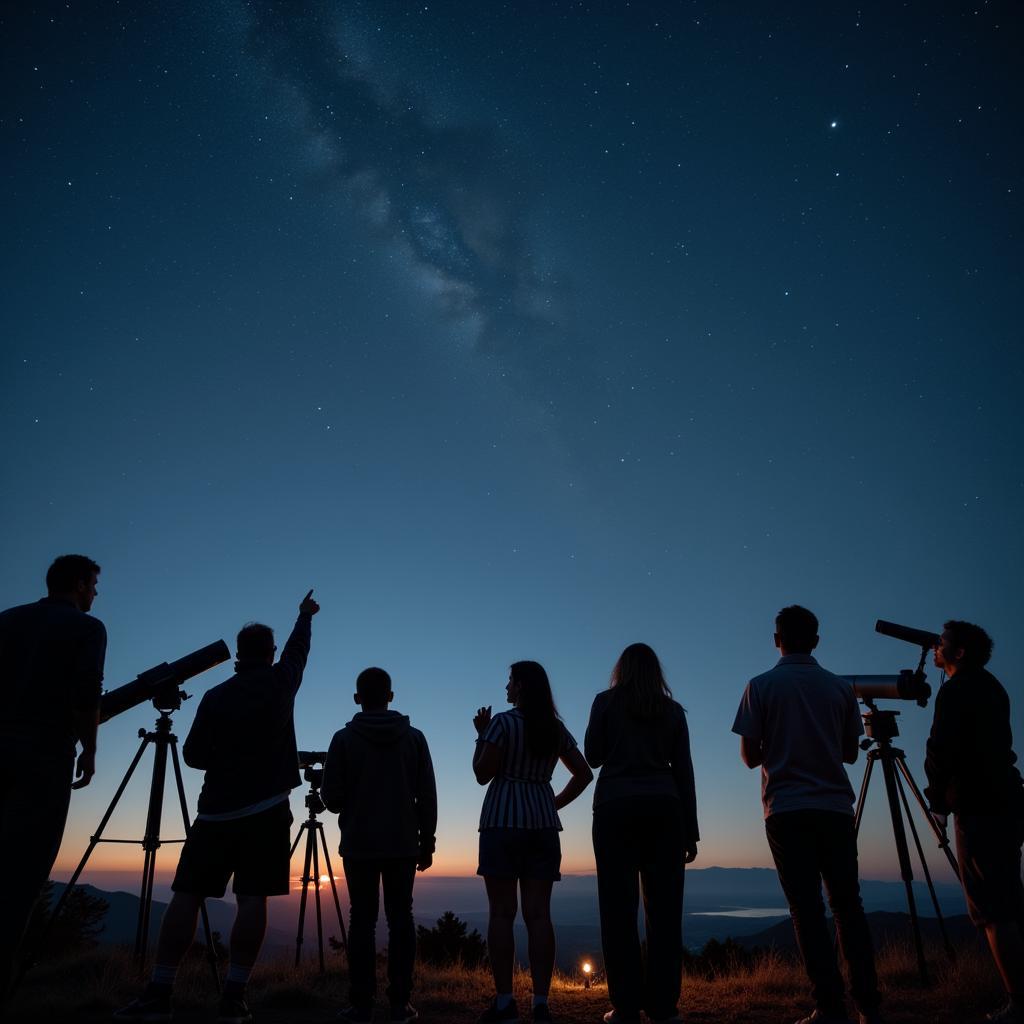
(798, 722)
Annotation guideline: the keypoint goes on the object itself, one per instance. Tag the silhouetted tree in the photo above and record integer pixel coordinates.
(719, 958)
(78, 927)
(448, 943)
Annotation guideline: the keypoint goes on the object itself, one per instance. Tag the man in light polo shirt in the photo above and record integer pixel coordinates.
(800, 723)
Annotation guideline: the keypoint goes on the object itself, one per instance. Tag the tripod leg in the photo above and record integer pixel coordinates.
(334, 887)
(940, 834)
(950, 952)
(151, 839)
(305, 890)
(211, 953)
(316, 894)
(863, 796)
(903, 854)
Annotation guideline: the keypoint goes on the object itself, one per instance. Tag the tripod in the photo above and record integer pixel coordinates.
(315, 839)
(881, 729)
(162, 740)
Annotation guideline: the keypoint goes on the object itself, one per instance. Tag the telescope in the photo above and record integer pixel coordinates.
(160, 683)
(919, 637)
(908, 684)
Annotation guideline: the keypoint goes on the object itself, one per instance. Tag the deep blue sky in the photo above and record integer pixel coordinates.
(517, 331)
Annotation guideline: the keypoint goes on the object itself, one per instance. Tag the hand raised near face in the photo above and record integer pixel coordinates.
(482, 719)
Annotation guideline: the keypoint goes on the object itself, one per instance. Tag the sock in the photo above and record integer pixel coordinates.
(238, 977)
(502, 999)
(540, 1000)
(163, 975)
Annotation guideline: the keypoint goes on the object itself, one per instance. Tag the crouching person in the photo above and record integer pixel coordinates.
(244, 738)
(379, 779)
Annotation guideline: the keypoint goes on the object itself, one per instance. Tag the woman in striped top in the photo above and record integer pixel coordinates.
(516, 753)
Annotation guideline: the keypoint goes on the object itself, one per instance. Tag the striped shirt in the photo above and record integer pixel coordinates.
(520, 795)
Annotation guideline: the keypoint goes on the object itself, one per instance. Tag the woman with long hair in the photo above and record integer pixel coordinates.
(645, 831)
(520, 852)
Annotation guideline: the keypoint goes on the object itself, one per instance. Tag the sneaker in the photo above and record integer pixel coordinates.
(1008, 1014)
(541, 1012)
(355, 1014)
(404, 1013)
(870, 1017)
(233, 1010)
(510, 1014)
(614, 1017)
(154, 1004)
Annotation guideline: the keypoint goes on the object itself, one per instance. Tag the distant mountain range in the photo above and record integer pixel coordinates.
(744, 903)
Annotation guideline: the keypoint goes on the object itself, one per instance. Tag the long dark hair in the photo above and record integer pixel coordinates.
(540, 716)
(638, 681)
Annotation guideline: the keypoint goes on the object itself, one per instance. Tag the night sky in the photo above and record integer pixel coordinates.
(516, 331)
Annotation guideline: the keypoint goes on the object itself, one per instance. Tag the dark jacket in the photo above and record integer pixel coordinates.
(970, 763)
(380, 780)
(243, 735)
(641, 757)
(51, 667)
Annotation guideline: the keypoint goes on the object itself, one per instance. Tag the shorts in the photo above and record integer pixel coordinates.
(988, 851)
(534, 853)
(255, 849)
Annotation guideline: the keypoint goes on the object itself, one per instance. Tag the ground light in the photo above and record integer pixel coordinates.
(587, 968)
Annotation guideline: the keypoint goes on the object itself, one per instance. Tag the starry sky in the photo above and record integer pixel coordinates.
(517, 331)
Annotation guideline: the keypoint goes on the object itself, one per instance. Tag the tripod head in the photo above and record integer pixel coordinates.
(311, 762)
(879, 724)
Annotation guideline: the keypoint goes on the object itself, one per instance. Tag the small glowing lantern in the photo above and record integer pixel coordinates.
(587, 969)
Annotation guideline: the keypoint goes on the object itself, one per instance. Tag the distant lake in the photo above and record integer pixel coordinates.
(744, 912)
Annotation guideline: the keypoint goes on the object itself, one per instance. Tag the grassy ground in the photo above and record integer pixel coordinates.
(88, 987)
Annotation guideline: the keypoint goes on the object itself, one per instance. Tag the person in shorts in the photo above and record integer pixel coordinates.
(516, 753)
(972, 773)
(243, 737)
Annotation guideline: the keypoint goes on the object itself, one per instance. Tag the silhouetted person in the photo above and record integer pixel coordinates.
(800, 724)
(243, 737)
(971, 769)
(516, 753)
(379, 779)
(645, 832)
(51, 667)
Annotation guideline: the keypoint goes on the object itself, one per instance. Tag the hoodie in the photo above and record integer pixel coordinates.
(380, 780)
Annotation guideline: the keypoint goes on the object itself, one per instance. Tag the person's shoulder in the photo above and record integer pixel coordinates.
(603, 698)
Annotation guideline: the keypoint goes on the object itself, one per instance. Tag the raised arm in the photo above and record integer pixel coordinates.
(486, 754)
(293, 658)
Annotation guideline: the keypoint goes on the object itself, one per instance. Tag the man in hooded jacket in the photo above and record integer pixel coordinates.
(379, 779)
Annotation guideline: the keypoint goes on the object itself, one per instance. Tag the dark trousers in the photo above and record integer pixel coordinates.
(810, 847)
(35, 790)
(638, 846)
(364, 879)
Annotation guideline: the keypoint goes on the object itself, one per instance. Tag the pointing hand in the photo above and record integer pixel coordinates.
(308, 605)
